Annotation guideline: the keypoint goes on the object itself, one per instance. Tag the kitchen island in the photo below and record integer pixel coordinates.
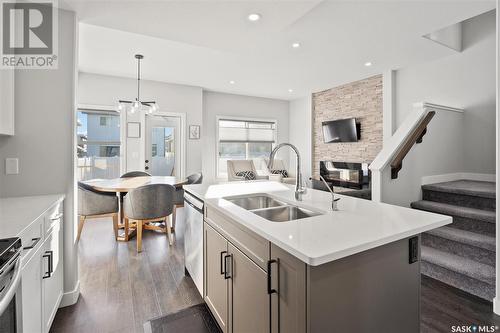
(355, 270)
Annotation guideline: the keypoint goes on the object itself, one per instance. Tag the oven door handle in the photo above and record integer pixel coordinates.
(9, 294)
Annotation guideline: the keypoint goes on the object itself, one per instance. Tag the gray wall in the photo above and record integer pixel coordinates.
(464, 80)
(107, 90)
(221, 104)
(43, 142)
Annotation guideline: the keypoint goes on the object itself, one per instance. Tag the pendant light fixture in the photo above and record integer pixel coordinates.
(138, 105)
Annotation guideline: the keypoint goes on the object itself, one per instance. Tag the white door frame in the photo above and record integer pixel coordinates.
(182, 138)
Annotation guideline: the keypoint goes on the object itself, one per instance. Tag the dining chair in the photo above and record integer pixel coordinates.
(195, 178)
(147, 204)
(135, 174)
(96, 204)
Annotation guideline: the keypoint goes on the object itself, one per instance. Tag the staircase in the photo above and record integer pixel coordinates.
(461, 254)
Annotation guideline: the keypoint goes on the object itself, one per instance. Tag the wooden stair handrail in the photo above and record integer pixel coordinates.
(415, 137)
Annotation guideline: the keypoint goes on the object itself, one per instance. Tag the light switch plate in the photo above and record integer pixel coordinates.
(11, 166)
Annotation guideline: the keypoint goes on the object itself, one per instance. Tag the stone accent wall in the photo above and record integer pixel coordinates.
(361, 100)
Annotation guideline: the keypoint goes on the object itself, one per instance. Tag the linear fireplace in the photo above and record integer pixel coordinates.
(345, 174)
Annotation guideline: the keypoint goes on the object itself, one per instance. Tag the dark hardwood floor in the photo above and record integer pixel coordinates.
(121, 289)
(442, 307)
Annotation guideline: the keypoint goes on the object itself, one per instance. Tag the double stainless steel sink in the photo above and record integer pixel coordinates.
(270, 208)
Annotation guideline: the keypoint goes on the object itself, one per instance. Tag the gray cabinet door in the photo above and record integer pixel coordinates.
(248, 295)
(289, 304)
(216, 286)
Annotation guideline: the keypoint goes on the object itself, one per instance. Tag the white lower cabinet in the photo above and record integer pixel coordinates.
(31, 292)
(52, 280)
(42, 280)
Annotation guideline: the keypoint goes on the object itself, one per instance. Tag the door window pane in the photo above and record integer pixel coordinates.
(163, 151)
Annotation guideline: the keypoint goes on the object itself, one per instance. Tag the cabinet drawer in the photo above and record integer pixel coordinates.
(31, 238)
(248, 242)
(53, 216)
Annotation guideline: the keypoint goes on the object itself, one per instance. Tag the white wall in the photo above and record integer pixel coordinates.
(43, 140)
(496, 300)
(107, 90)
(299, 127)
(221, 104)
(464, 80)
(441, 152)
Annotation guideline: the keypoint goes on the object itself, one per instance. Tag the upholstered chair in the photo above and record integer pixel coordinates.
(279, 167)
(96, 204)
(238, 170)
(147, 204)
(135, 174)
(195, 178)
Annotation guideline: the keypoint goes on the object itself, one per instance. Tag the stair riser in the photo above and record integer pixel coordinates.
(477, 226)
(459, 200)
(464, 250)
(457, 280)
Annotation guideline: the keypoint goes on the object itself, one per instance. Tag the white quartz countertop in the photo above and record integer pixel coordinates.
(17, 213)
(357, 226)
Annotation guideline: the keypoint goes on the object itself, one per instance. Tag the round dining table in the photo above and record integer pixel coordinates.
(124, 185)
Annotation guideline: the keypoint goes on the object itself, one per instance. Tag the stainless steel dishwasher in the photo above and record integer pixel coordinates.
(193, 239)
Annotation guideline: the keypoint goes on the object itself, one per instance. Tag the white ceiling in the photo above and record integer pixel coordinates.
(209, 43)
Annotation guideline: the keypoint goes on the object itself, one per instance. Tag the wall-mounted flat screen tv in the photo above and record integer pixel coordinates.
(342, 130)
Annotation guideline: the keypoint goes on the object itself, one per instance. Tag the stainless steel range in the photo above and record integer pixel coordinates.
(10, 285)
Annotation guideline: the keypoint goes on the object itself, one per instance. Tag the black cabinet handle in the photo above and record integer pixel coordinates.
(226, 275)
(33, 244)
(48, 255)
(269, 267)
(221, 262)
(146, 167)
(271, 291)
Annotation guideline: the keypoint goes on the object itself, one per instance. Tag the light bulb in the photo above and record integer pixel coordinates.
(154, 108)
(136, 104)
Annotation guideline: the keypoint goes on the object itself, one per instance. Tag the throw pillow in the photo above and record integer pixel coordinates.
(248, 175)
(283, 173)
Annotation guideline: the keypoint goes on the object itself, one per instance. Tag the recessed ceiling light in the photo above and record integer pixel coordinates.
(368, 64)
(296, 45)
(290, 90)
(232, 82)
(254, 17)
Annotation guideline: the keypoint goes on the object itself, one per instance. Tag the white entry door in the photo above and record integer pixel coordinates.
(163, 145)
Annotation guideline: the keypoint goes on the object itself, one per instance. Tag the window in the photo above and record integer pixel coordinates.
(103, 121)
(98, 144)
(154, 150)
(242, 140)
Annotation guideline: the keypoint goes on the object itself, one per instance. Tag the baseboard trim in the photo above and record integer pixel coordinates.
(484, 177)
(496, 305)
(70, 297)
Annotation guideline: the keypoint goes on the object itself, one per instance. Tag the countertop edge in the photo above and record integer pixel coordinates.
(58, 198)
(320, 260)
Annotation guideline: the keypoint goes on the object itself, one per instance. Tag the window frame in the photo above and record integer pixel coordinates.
(236, 118)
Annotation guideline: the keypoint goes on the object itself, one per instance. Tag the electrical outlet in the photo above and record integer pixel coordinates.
(11, 166)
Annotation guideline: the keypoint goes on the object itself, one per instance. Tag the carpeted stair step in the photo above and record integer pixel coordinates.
(463, 193)
(465, 218)
(462, 273)
(466, 244)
